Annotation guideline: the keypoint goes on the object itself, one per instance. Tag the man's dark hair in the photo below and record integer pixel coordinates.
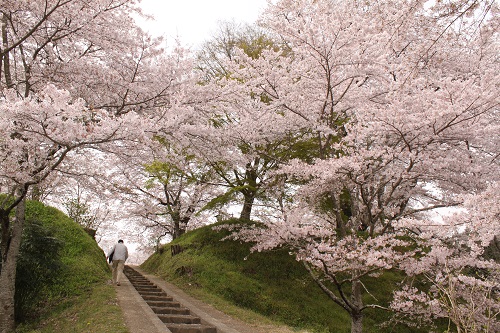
(120, 241)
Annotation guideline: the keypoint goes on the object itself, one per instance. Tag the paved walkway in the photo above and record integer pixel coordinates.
(139, 317)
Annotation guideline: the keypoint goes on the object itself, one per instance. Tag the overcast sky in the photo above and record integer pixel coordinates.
(195, 20)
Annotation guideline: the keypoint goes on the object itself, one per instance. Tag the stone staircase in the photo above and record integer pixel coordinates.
(177, 319)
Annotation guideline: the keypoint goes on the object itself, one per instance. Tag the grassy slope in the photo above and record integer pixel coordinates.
(271, 284)
(81, 300)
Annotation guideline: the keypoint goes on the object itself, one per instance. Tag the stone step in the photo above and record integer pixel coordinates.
(165, 310)
(191, 328)
(164, 304)
(137, 279)
(134, 275)
(148, 288)
(179, 319)
(143, 284)
(176, 318)
(152, 292)
(160, 298)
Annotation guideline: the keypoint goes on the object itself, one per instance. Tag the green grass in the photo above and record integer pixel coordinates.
(76, 296)
(272, 284)
(95, 312)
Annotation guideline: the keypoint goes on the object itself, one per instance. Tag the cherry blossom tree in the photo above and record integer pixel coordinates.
(91, 48)
(39, 134)
(165, 187)
(103, 66)
(401, 99)
(453, 280)
(228, 142)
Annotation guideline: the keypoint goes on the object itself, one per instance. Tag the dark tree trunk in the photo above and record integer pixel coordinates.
(176, 232)
(8, 272)
(6, 59)
(250, 192)
(246, 211)
(179, 227)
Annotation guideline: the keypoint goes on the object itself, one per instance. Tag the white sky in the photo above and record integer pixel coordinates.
(194, 21)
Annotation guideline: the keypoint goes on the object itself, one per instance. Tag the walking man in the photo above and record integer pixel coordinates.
(119, 255)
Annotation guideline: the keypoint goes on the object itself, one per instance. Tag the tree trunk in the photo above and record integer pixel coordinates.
(176, 218)
(357, 302)
(36, 193)
(246, 212)
(179, 227)
(6, 59)
(8, 272)
(250, 192)
(357, 323)
(340, 223)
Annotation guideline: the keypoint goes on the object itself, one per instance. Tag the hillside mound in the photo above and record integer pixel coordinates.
(62, 277)
(272, 284)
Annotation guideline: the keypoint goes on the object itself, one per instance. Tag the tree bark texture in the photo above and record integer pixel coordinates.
(250, 192)
(179, 226)
(8, 272)
(5, 56)
(357, 305)
(246, 211)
